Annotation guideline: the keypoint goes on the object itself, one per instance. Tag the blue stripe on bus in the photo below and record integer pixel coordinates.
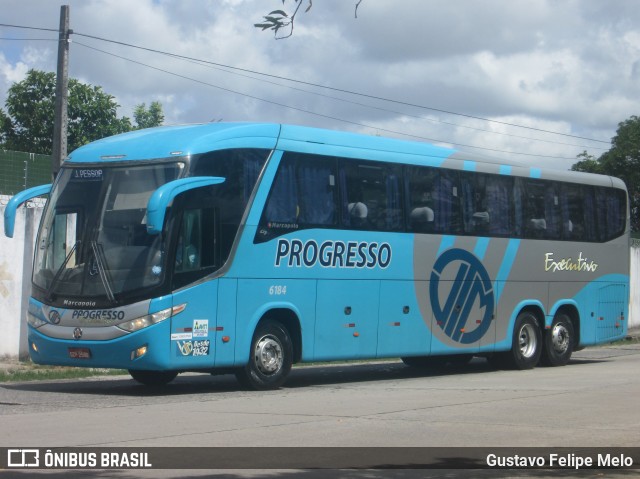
(535, 173)
(446, 242)
(469, 165)
(507, 263)
(481, 247)
(505, 170)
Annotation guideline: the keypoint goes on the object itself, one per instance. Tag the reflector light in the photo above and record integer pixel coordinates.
(138, 353)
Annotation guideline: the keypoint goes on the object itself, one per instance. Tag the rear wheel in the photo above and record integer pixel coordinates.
(558, 342)
(153, 378)
(270, 358)
(526, 346)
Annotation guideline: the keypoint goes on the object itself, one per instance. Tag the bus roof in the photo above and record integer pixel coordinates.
(180, 140)
(183, 140)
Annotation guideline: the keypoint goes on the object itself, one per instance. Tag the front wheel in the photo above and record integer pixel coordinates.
(558, 342)
(270, 358)
(153, 378)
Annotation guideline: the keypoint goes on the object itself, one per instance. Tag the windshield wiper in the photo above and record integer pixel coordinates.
(56, 276)
(98, 254)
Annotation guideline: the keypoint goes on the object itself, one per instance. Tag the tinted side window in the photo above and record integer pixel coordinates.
(240, 168)
(574, 200)
(434, 200)
(420, 184)
(541, 210)
(303, 195)
(611, 212)
(372, 198)
(487, 204)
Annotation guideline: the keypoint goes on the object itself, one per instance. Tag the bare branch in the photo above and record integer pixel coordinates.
(278, 20)
(355, 13)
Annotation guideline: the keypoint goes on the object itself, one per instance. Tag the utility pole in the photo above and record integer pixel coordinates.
(62, 87)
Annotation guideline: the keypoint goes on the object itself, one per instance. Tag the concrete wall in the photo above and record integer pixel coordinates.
(634, 289)
(16, 256)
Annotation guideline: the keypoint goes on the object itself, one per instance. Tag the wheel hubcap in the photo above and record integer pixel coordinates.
(560, 338)
(268, 355)
(527, 341)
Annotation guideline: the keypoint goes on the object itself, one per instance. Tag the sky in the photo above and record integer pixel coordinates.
(535, 82)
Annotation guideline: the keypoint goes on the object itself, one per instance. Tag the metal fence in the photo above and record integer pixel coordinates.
(19, 171)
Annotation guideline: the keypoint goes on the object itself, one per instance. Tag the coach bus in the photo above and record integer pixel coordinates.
(246, 248)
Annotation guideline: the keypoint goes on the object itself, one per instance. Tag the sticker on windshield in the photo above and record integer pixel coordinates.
(92, 174)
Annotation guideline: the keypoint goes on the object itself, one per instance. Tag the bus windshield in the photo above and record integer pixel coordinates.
(93, 240)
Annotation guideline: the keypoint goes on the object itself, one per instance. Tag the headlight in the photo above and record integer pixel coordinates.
(35, 321)
(151, 319)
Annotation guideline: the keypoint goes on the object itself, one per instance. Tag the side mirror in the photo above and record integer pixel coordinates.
(160, 199)
(16, 201)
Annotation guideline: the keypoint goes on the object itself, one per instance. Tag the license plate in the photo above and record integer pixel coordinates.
(80, 353)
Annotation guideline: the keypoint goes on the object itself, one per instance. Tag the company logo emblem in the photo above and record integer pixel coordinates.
(468, 309)
(23, 458)
(54, 317)
(93, 266)
(77, 333)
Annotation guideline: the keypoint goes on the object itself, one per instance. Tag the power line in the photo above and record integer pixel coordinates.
(388, 110)
(350, 92)
(226, 68)
(29, 28)
(302, 110)
(340, 90)
(29, 39)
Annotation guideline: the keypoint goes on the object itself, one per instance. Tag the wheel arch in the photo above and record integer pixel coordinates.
(570, 309)
(290, 320)
(534, 307)
(284, 312)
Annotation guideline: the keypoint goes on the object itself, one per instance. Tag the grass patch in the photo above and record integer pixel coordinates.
(627, 340)
(32, 372)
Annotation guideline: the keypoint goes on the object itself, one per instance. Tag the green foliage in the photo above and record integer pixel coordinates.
(30, 108)
(92, 115)
(588, 163)
(621, 161)
(147, 118)
(28, 122)
(27, 371)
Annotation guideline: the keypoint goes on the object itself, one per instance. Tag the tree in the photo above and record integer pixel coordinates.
(621, 161)
(147, 118)
(280, 20)
(27, 124)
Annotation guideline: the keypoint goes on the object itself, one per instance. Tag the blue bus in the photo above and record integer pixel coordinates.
(247, 248)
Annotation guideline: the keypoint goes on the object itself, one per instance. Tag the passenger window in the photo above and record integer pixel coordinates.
(534, 212)
(487, 204)
(572, 202)
(420, 193)
(303, 195)
(611, 210)
(372, 197)
(434, 200)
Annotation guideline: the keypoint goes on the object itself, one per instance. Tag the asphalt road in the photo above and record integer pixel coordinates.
(592, 402)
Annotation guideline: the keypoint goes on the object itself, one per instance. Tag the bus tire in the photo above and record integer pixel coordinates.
(153, 378)
(558, 342)
(270, 358)
(526, 347)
